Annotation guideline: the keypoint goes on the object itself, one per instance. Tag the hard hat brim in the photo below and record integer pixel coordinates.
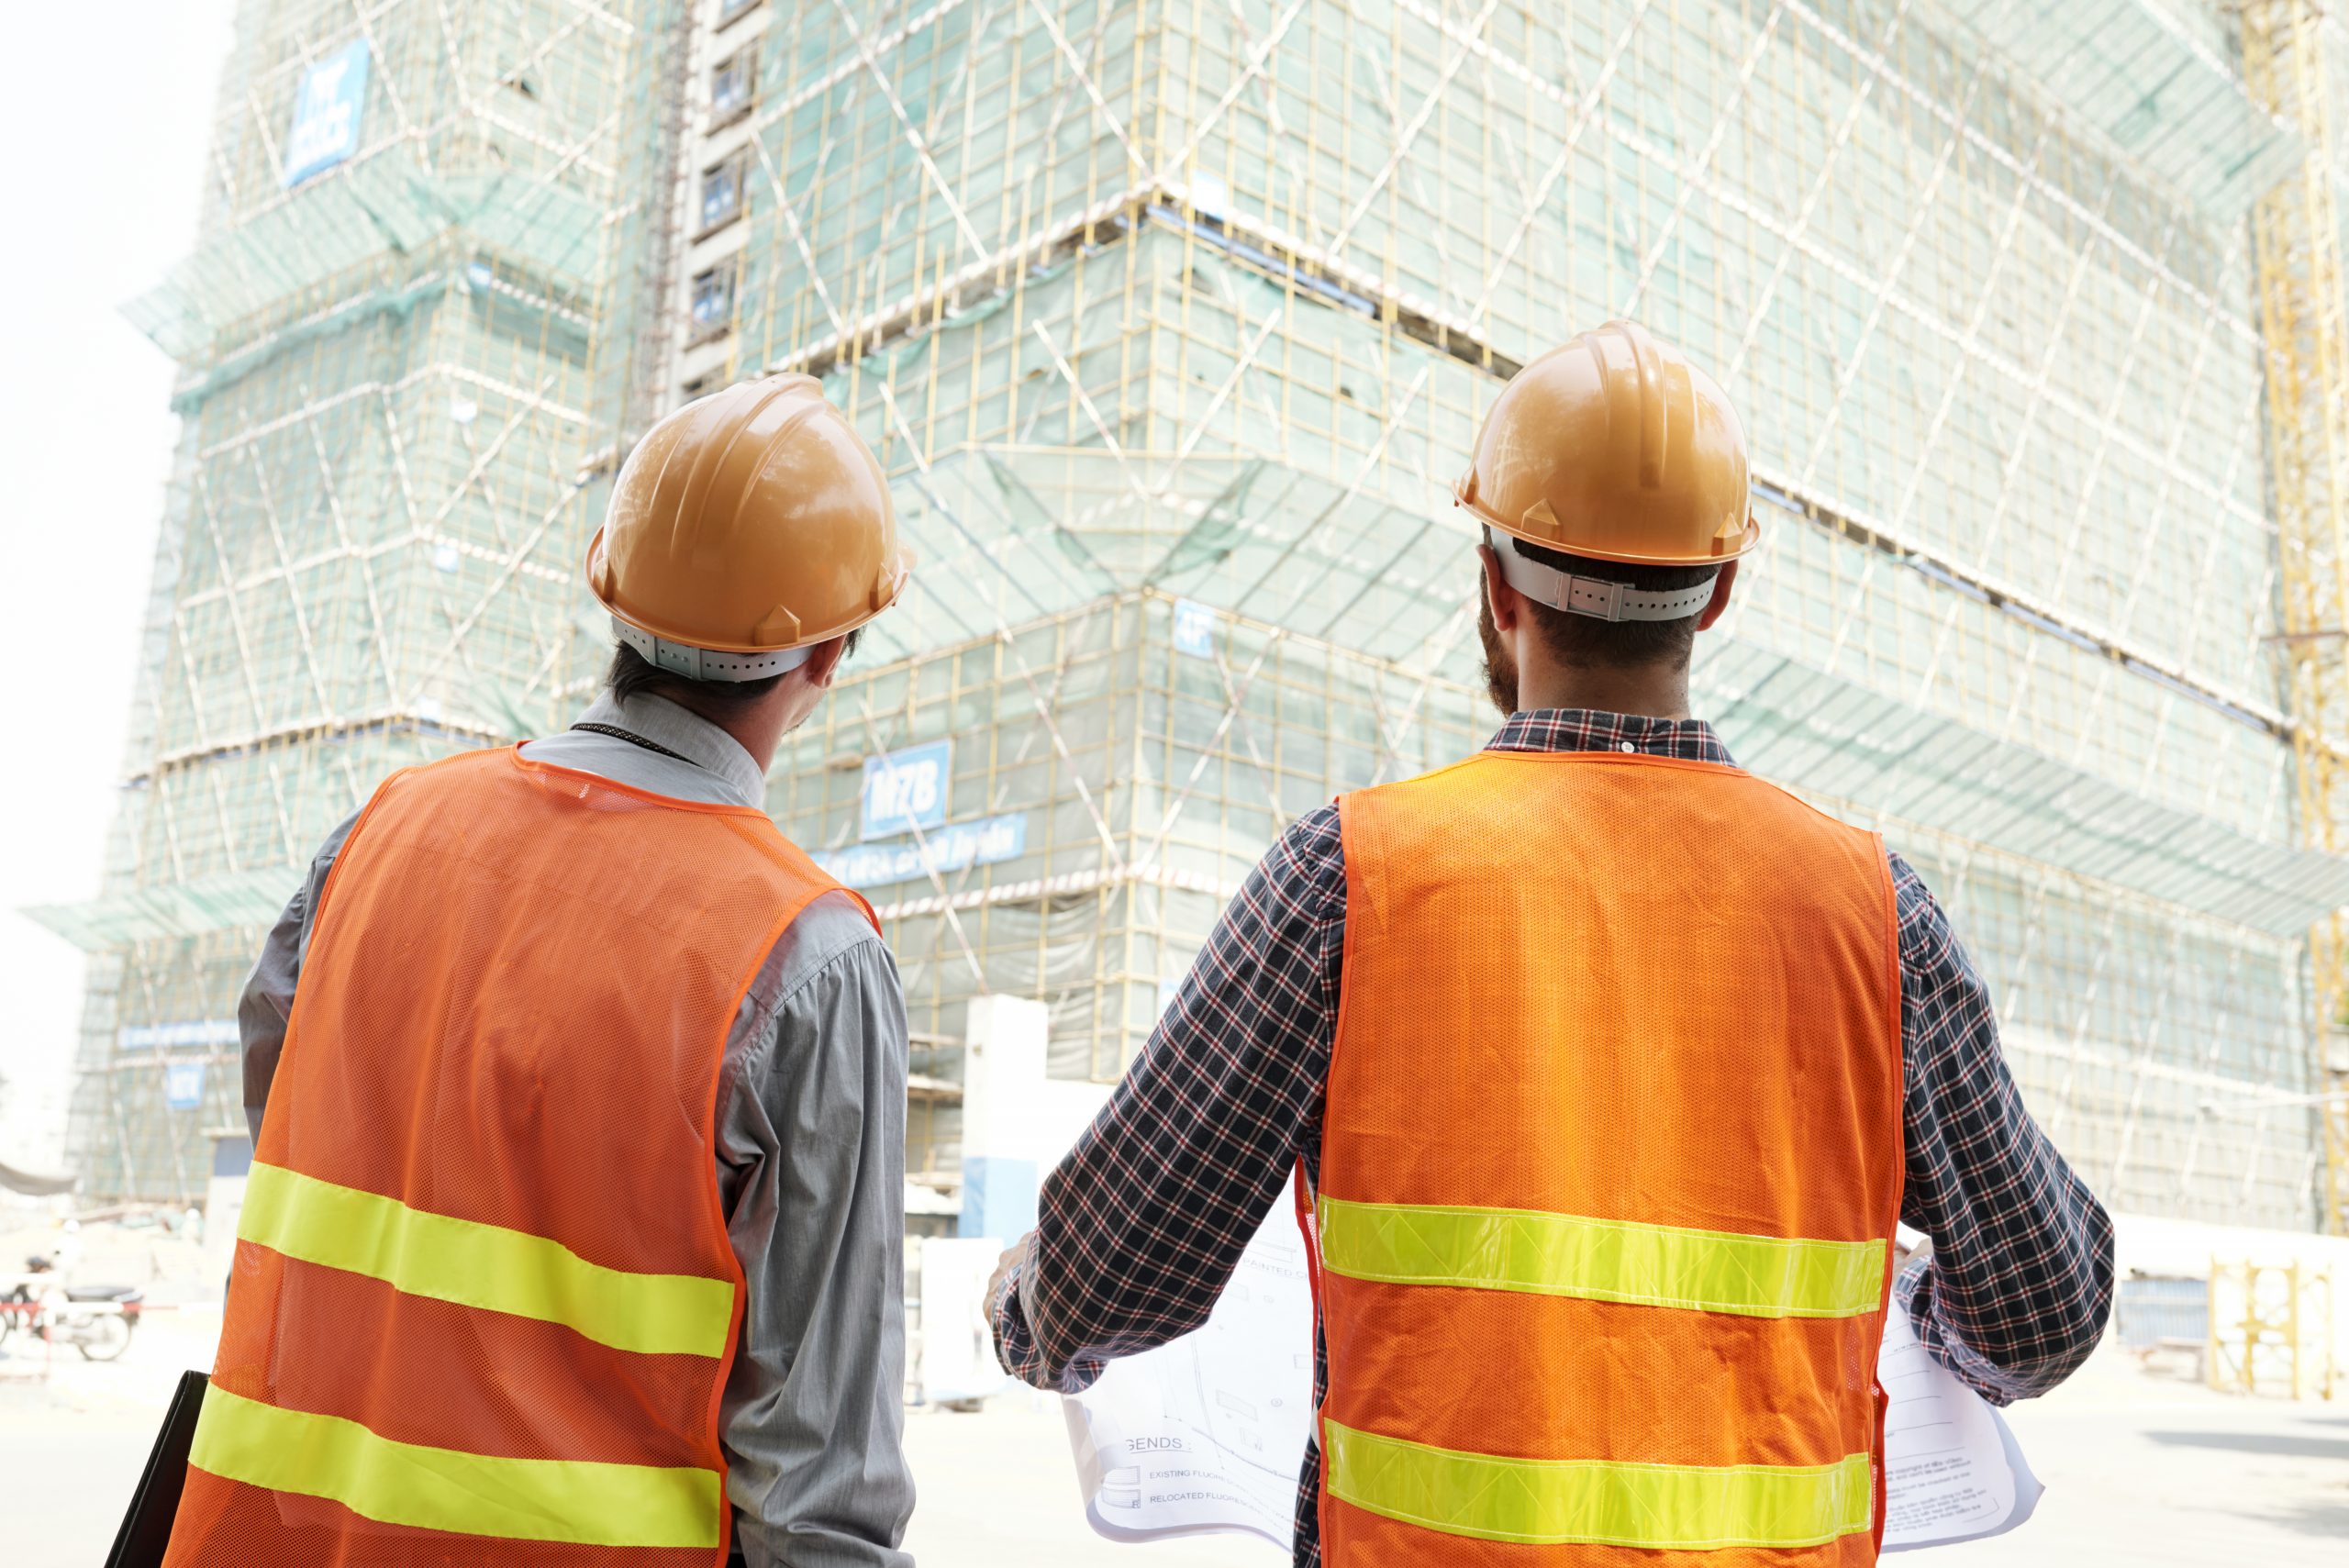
(1747, 541)
(595, 574)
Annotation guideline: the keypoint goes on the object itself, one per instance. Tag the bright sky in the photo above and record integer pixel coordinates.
(100, 168)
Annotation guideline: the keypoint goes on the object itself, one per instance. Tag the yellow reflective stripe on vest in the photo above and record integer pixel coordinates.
(489, 1266)
(1540, 1502)
(442, 1488)
(1601, 1260)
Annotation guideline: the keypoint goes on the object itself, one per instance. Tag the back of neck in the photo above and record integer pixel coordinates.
(1641, 693)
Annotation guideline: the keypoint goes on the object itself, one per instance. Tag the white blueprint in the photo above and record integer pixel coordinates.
(1952, 1470)
(1207, 1434)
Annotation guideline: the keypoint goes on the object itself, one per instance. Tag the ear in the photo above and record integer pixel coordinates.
(1507, 605)
(825, 663)
(1716, 607)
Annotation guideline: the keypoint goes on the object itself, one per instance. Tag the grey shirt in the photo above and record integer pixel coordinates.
(811, 1154)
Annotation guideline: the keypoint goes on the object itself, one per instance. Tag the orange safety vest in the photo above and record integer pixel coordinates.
(484, 1303)
(1610, 1164)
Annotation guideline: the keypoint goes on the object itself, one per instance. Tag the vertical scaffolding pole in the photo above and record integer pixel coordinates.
(2296, 236)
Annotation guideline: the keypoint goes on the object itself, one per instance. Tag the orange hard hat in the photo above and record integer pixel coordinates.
(747, 527)
(1615, 448)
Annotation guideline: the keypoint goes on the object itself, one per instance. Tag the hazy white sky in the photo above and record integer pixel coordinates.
(101, 163)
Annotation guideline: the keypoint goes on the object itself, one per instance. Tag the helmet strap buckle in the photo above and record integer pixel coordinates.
(1590, 597)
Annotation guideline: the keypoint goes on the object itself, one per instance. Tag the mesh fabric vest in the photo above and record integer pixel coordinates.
(483, 1302)
(1611, 1159)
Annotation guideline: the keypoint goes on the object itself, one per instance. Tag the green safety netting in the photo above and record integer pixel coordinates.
(1008, 538)
(172, 910)
(1837, 739)
(385, 203)
(2157, 78)
(992, 552)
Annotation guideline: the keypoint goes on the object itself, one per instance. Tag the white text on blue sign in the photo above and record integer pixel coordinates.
(948, 849)
(326, 113)
(906, 790)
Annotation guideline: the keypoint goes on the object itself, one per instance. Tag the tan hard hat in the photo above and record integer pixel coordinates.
(1615, 448)
(745, 528)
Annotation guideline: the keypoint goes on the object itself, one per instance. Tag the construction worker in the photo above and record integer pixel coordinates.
(1606, 1070)
(575, 1222)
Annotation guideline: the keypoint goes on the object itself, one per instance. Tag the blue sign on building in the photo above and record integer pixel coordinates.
(183, 1084)
(1194, 629)
(979, 843)
(326, 113)
(906, 790)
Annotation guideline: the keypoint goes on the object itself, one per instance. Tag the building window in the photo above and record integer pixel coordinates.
(729, 9)
(714, 300)
(732, 82)
(721, 191)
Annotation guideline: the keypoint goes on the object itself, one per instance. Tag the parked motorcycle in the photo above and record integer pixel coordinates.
(66, 1317)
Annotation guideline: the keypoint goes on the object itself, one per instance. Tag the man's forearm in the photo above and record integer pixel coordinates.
(1139, 1227)
(1097, 1283)
(2014, 1294)
(2013, 1321)
(1010, 1312)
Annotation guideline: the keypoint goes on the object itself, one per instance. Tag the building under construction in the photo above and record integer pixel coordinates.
(1171, 323)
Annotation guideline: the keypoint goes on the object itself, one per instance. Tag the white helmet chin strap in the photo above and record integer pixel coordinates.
(1593, 596)
(705, 664)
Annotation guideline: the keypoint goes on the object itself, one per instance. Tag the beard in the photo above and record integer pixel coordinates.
(1500, 670)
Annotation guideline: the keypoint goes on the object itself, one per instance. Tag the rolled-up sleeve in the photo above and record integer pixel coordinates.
(812, 1155)
(2014, 1294)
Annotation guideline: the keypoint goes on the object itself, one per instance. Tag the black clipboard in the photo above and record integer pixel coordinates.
(147, 1528)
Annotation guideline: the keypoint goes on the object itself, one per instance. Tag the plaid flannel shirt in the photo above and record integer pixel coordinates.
(1141, 1226)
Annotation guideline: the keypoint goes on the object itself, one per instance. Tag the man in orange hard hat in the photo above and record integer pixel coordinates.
(1606, 1070)
(575, 1222)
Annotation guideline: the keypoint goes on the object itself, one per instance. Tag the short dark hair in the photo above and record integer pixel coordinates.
(1587, 642)
(632, 675)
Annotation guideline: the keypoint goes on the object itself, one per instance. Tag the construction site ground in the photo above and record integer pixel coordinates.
(2143, 1469)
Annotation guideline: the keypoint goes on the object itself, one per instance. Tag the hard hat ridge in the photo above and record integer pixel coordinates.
(1653, 392)
(773, 440)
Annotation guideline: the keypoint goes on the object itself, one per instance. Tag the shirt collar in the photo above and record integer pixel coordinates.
(690, 736)
(1588, 730)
